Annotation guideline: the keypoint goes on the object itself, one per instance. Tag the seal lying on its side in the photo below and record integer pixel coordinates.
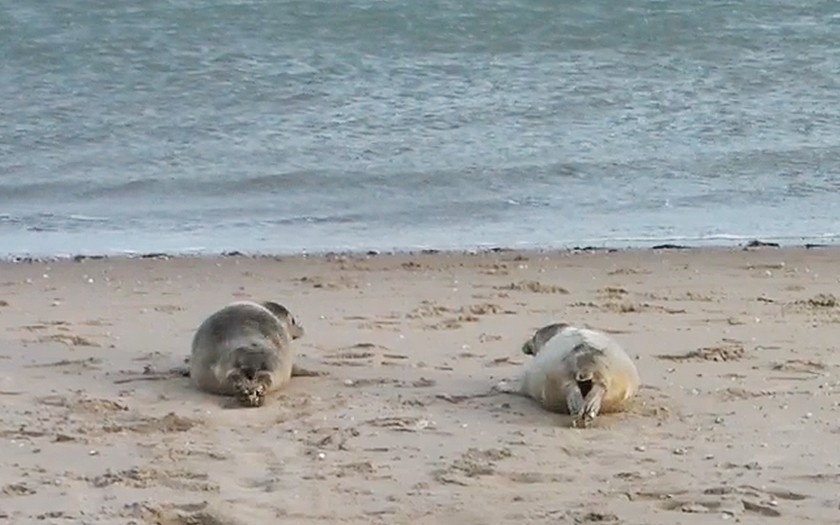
(577, 371)
(245, 350)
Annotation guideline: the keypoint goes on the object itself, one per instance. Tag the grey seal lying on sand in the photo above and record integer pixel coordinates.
(245, 350)
(577, 371)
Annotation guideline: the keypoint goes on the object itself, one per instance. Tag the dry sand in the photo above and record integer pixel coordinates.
(737, 419)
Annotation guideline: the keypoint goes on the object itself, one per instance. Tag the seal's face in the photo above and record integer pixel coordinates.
(528, 347)
(541, 337)
(294, 326)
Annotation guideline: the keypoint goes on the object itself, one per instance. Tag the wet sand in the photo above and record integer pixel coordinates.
(737, 418)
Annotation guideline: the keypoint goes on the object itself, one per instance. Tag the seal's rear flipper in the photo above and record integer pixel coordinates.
(250, 386)
(591, 406)
(574, 400)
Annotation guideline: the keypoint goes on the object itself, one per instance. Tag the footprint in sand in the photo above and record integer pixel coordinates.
(402, 423)
(729, 350)
(98, 416)
(68, 339)
(628, 271)
(364, 354)
(168, 308)
(733, 501)
(457, 316)
(473, 463)
(494, 269)
(533, 287)
(217, 513)
(502, 361)
(320, 439)
(594, 517)
(146, 478)
(321, 283)
(819, 301)
(737, 394)
(411, 265)
(71, 365)
(97, 322)
(363, 468)
(801, 366)
(612, 292)
(487, 338)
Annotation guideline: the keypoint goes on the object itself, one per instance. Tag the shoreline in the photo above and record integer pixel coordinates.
(673, 247)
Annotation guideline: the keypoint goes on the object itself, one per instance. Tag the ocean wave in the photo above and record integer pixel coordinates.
(302, 125)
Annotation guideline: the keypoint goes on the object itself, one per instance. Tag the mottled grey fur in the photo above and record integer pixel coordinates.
(245, 350)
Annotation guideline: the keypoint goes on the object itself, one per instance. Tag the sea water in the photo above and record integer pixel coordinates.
(318, 125)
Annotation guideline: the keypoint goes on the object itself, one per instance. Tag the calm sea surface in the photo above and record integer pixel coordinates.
(282, 126)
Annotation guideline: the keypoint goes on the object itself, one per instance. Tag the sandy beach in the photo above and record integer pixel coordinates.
(737, 420)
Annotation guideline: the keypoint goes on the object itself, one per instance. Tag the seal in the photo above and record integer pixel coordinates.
(576, 371)
(245, 350)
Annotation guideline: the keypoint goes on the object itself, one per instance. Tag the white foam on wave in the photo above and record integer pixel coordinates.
(87, 218)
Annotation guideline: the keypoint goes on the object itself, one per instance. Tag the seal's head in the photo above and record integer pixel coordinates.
(281, 312)
(533, 345)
